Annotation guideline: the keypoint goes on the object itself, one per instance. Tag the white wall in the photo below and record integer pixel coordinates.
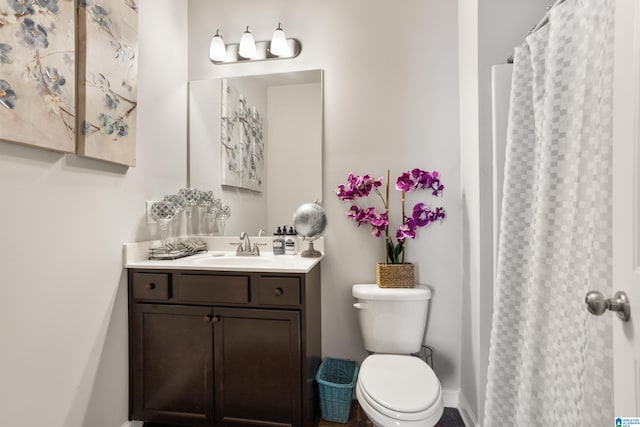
(63, 314)
(470, 343)
(390, 101)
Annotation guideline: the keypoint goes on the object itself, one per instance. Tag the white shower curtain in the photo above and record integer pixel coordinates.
(550, 362)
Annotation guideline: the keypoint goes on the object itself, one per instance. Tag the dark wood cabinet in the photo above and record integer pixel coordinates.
(171, 364)
(257, 365)
(212, 348)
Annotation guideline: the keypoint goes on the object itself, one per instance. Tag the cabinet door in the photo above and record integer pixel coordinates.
(257, 366)
(172, 364)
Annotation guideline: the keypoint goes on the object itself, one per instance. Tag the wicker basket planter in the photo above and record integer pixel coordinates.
(395, 275)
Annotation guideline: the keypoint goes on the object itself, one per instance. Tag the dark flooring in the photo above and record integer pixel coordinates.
(357, 418)
(450, 418)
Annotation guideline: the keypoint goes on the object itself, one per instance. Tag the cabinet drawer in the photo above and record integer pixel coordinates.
(279, 290)
(153, 286)
(213, 288)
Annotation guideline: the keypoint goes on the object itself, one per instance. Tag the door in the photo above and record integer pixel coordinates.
(257, 366)
(172, 364)
(626, 206)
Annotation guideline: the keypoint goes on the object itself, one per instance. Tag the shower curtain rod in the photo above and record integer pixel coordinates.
(542, 23)
(545, 18)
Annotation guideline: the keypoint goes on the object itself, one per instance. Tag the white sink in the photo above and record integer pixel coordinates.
(232, 261)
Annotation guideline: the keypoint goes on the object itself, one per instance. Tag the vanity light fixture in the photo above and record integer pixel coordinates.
(278, 41)
(247, 45)
(248, 50)
(217, 50)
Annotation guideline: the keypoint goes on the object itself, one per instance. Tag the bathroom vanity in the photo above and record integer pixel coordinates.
(224, 340)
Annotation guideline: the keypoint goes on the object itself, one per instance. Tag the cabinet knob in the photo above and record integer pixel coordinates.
(209, 318)
(278, 291)
(150, 286)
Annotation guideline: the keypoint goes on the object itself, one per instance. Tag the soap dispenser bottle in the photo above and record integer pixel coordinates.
(290, 242)
(278, 242)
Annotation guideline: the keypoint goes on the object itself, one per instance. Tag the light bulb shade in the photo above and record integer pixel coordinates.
(278, 42)
(247, 47)
(217, 50)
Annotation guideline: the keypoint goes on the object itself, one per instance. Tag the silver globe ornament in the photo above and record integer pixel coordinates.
(310, 221)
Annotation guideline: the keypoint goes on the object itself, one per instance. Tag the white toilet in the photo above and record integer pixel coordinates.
(393, 387)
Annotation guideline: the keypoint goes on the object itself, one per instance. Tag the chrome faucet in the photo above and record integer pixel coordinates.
(247, 250)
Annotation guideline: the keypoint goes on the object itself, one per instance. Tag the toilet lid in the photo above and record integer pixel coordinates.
(399, 383)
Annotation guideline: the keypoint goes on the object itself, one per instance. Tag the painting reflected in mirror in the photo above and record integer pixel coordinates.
(242, 140)
(256, 142)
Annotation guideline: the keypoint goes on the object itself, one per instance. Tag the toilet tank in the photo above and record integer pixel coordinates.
(392, 320)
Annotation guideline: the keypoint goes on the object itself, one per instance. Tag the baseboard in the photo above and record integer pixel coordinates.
(466, 413)
(132, 424)
(451, 397)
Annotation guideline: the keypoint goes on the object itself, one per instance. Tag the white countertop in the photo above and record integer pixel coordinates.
(220, 258)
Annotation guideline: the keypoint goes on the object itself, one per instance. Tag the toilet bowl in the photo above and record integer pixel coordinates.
(394, 388)
(399, 390)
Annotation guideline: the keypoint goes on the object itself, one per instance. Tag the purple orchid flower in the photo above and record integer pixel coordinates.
(357, 187)
(407, 229)
(405, 182)
(421, 215)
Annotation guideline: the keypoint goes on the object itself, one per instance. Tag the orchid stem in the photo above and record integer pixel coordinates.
(386, 229)
(403, 221)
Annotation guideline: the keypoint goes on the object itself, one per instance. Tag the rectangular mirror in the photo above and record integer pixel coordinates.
(271, 161)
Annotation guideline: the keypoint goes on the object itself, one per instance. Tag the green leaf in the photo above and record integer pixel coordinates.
(398, 251)
(393, 259)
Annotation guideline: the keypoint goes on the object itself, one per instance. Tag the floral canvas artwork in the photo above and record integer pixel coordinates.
(107, 90)
(242, 141)
(37, 73)
(231, 150)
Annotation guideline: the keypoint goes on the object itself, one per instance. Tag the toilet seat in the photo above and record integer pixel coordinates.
(403, 388)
